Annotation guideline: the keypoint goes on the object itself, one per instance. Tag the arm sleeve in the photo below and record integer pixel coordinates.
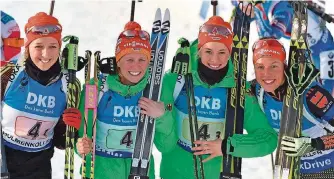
(320, 103)
(59, 136)
(280, 23)
(9, 29)
(165, 135)
(261, 138)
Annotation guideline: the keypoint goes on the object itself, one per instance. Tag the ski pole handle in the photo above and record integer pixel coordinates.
(133, 7)
(70, 53)
(214, 4)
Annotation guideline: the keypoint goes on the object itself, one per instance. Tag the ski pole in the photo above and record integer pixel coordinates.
(133, 7)
(214, 4)
(87, 94)
(318, 11)
(70, 54)
(182, 66)
(93, 90)
(52, 7)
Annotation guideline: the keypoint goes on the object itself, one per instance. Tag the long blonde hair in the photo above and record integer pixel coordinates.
(23, 57)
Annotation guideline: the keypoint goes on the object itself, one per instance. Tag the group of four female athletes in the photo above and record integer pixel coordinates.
(37, 96)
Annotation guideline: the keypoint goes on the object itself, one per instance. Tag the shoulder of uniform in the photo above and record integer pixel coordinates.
(251, 88)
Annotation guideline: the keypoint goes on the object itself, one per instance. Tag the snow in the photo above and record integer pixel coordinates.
(98, 23)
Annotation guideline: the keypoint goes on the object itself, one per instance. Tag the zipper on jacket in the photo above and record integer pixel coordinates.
(208, 95)
(107, 104)
(128, 96)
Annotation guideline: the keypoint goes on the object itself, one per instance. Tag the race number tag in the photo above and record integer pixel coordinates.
(207, 130)
(32, 129)
(120, 139)
(327, 65)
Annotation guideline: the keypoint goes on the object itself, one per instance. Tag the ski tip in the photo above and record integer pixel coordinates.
(167, 15)
(158, 14)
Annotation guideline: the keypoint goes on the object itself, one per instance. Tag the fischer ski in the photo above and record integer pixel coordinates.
(146, 125)
(231, 167)
(300, 74)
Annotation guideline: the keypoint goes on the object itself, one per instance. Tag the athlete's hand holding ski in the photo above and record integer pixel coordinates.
(72, 117)
(151, 108)
(296, 147)
(84, 145)
(213, 148)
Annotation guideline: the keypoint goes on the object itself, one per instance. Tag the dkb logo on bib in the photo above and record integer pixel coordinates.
(42, 101)
(126, 111)
(207, 103)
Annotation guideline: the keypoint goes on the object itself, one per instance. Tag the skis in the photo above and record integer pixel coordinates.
(300, 74)
(70, 55)
(182, 66)
(236, 96)
(146, 125)
(4, 170)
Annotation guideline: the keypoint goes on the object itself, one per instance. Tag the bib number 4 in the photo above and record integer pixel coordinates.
(34, 132)
(127, 139)
(32, 129)
(120, 139)
(207, 130)
(203, 131)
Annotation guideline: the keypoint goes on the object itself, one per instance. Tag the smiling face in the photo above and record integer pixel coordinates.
(44, 52)
(132, 68)
(269, 73)
(214, 55)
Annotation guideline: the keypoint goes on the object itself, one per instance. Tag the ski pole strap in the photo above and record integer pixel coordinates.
(181, 61)
(181, 65)
(178, 86)
(103, 86)
(71, 53)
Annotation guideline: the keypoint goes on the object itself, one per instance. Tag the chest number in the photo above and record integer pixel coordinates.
(127, 139)
(331, 69)
(203, 131)
(34, 131)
